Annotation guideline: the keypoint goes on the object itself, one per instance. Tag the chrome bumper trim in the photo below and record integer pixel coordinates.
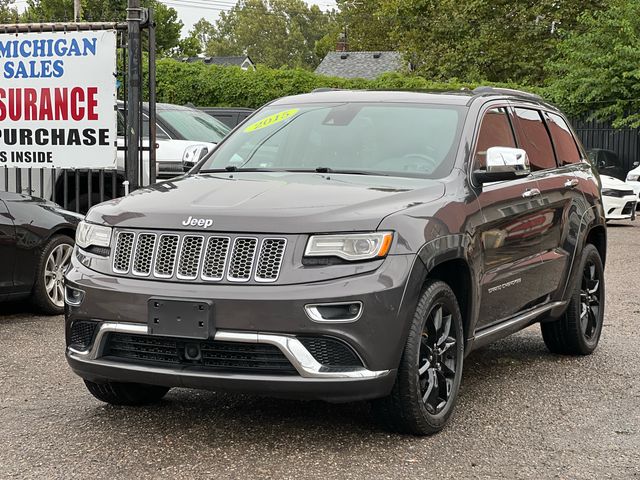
(302, 360)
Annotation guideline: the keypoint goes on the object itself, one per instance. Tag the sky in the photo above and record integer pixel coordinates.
(190, 11)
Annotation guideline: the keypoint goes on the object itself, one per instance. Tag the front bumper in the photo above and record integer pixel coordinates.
(268, 314)
(620, 208)
(314, 380)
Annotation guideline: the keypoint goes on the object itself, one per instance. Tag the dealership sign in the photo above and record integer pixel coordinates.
(57, 99)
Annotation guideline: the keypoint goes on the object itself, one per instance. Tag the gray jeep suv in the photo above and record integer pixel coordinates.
(345, 245)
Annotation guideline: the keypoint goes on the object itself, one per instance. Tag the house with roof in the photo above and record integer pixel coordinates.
(242, 61)
(368, 65)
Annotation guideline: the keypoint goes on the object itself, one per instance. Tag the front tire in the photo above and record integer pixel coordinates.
(48, 289)
(577, 331)
(130, 394)
(430, 371)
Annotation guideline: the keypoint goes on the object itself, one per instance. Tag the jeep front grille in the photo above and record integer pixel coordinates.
(198, 257)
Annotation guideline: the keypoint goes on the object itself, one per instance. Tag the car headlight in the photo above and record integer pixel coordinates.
(632, 177)
(350, 246)
(89, 234)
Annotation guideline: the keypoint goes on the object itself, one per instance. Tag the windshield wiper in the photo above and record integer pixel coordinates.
(233, 168)
(346, 172)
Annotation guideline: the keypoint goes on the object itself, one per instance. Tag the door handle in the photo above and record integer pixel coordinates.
(532, 192)
(573, 183)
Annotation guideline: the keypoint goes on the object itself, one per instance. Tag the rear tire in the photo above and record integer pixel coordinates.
(430, 371)
(577, 331)
(131, 394)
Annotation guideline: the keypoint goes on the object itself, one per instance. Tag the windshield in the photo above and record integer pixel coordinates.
(194, 124)
(390, 139)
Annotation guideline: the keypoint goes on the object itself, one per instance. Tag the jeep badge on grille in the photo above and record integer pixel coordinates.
(197, 222)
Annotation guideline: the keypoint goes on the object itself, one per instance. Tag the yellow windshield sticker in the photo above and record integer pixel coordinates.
(271, 120)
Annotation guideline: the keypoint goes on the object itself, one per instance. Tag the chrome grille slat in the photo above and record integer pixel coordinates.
(204, 257)
(122, 254)
(270, 259)
(215, 258)
(242, 257)
(190, 253)
(166, 256)
(143, 254)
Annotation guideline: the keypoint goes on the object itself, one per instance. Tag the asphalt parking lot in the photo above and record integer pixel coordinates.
(522, 413)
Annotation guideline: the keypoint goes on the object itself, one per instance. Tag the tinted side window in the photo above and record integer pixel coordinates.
(566, 148)
(534, 139)
(495, 131)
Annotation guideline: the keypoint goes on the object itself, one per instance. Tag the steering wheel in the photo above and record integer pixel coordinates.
(429, 163)
(418, 162)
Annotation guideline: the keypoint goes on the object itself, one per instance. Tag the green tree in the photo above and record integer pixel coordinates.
(8, 12)
(272, 32)
(167, 30)
(203, 31)
(188, 47)
(367, 25)
(598, 69)
(495, 40)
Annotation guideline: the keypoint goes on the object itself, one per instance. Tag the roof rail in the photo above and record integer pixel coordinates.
(326, 89)
(504, 91)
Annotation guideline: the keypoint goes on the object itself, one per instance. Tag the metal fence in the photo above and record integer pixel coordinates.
(625, 142)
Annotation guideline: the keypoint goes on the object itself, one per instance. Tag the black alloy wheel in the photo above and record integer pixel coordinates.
(426, 388)
(590, 301)
(437, 360)
(578, 330)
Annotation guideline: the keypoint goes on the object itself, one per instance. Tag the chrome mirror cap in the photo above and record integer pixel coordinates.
(508, 160)
(503, 163)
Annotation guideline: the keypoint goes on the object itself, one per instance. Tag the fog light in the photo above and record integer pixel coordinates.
(342, 312)
(73, 296)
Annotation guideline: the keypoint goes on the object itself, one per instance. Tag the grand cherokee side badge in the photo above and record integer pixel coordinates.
(197, 222)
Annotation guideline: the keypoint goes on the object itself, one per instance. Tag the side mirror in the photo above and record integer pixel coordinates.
(193, 155)
(504, 163)
(635, 164)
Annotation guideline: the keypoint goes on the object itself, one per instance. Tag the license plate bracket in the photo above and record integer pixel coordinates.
(180, 318)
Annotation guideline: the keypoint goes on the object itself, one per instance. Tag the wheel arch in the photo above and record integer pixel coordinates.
(457, 274)
(597, 236)
(592, 232)
(63, 230)
(446, 259)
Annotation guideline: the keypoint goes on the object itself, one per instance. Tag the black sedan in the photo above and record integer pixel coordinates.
(36, 241)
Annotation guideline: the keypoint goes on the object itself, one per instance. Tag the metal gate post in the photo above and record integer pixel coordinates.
(152, 97)
(134, 16)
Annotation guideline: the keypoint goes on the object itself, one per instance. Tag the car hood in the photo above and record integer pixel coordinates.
(614, 183)
(278, 202)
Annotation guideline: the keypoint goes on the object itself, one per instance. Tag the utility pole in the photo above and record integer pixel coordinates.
(134, 17)
(77, 10)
